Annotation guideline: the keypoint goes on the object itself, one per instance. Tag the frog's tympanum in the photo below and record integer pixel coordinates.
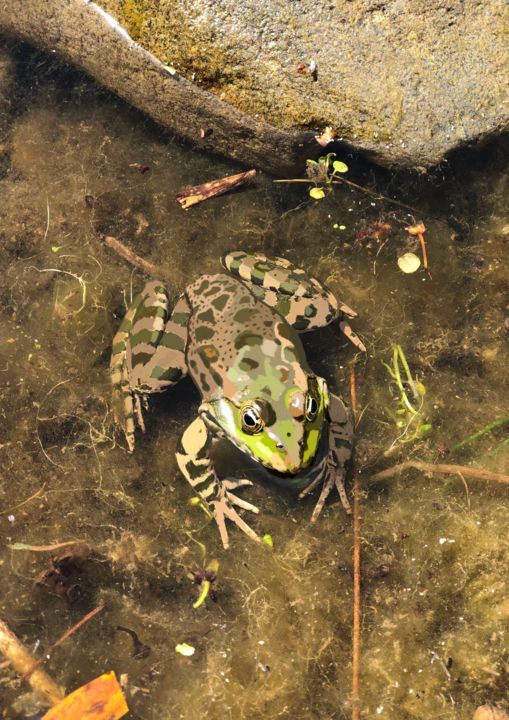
(237, 336)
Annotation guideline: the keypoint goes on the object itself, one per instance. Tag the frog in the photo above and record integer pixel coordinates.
(237, 335)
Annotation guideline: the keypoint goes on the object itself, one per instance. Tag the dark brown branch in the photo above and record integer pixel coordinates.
(134, 259)
(356, 630)
(198, 193)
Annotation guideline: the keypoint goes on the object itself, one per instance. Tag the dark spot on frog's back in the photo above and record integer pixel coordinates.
(206, 316)
(247, 338)
(243, 315)
(204, 333)
(220, 302)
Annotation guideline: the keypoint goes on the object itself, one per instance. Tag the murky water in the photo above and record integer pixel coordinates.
(276, 642)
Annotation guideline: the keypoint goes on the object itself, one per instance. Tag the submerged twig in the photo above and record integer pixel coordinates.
(356, 632)
(198, 193)
(24, 663)
(445, 469)
(62, 639)
(136, 260)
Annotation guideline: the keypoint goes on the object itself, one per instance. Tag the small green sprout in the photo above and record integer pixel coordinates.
(411, 391)
(267, 539)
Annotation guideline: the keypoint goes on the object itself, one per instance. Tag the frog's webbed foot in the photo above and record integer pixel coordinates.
(331, 470)
(196, 466)
(222, 508)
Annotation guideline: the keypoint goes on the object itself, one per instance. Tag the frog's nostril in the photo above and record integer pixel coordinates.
(280, 446)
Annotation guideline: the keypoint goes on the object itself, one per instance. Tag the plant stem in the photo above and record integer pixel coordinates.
(481, 432)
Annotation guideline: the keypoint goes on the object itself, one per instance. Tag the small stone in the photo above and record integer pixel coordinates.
(490, 712)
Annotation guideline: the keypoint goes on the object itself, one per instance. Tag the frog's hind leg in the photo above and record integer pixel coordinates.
(301, 299)
(148, 354)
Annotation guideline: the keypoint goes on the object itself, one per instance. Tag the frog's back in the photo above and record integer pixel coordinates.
(233, 335)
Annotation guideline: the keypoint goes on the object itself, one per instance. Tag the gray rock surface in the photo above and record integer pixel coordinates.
(404, 80)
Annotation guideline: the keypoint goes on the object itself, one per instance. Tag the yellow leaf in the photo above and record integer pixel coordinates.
(100, 699)
(317, 193)
(409, 262)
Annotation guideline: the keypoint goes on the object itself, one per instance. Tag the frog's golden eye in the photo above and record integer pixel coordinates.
(252, 422)
(311, 407)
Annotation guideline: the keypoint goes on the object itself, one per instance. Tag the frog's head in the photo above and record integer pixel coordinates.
(283, 434)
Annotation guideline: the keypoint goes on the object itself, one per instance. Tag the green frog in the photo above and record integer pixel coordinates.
(237, 335)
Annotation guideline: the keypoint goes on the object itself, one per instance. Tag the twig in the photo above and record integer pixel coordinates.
(440, 468)
(62, 639)
(356, 632)
(134, 259)
(198, 193)
(22, 660)
(24, 502)
(43, 548)
(337, 180)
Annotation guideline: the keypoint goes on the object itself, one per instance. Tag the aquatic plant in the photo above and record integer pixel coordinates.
(411, 391)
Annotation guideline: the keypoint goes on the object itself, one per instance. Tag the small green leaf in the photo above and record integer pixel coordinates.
(205, 589)
(185, 649)
(342, 227)
(317, 193)
(194, 500)
(311, 162)
(425, 430)
(339, 166)
(267, 539)
(335, 226)
(56, 248)
(19, 546)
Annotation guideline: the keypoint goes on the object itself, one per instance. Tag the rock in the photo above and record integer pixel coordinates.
(405, 81)
(490, 712)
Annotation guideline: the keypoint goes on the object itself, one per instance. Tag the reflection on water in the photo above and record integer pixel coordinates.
(276, 641)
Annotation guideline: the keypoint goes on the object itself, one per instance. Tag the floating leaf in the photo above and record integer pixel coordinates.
(185, 649)
(339, 166)
(267, 539)
(317, 193)
(56, 248)
(409, 263)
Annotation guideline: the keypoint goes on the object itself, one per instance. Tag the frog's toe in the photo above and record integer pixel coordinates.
(353, 337)
(241, 503)
(222, 509)
(334, 478)
(234, 483)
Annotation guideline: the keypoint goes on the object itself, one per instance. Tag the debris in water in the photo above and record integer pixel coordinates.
(409, 263)
(198, 193)
(185, 649)
(140, 650)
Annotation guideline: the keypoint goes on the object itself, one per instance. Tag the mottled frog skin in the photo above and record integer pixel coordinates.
(237, 336)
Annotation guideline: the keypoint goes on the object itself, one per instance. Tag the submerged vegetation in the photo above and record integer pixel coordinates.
(260, 633)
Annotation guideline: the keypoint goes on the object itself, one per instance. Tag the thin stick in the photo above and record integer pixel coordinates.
(134, 259)
(375, 195)
(43, 548)
(62, 639)
(356, 633)
(198, 193)
(21, 659)
(440, 468)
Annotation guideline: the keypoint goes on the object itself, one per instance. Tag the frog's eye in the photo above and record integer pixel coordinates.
(311, 407)
(252, 422)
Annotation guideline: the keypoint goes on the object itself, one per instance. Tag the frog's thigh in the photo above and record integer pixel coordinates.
(300, 298)
(156, 345)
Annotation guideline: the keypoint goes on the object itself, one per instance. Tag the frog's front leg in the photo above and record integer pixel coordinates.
(196, 466)
(332, 469)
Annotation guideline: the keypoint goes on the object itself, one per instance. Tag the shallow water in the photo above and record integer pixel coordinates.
(277, 641)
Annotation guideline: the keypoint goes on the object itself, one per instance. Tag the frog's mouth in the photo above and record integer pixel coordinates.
(300, 479)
